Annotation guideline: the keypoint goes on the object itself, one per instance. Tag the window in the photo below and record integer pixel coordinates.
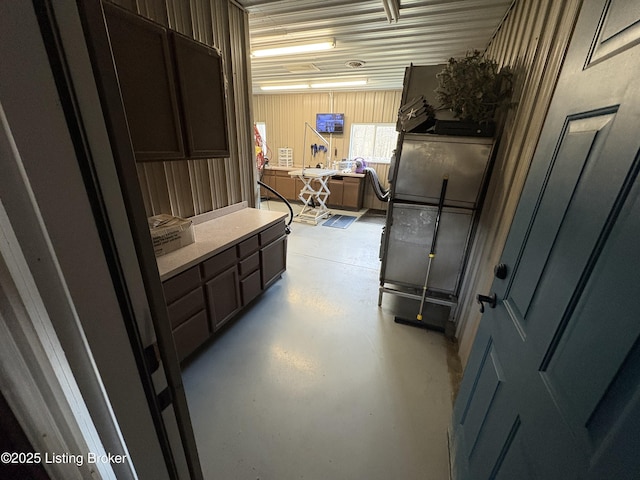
(374, 142)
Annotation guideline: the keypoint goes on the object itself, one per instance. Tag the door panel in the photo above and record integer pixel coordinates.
(618, 30)
(515, 461)
(589, 367)
(497, 437)
(487, 382)
(567, 171)
(488, 433)
(551, 387)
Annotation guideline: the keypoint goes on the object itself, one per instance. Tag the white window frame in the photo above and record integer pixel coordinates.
(355, 152)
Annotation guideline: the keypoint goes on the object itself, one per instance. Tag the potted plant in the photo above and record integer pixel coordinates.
(473, 88)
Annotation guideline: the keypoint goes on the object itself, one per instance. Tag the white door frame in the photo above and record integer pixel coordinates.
(51, 217)
(36, 378)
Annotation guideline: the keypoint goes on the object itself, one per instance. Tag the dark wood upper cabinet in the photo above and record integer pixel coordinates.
(145, 70)
(172, 90)
(201, 83)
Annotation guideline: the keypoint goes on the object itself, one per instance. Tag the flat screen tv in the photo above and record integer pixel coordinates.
(330, 122)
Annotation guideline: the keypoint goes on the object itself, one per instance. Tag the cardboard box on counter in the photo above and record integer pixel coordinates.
(170, 233)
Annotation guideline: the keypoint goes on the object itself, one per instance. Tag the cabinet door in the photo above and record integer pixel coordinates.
(352, 193)
(248, 247)
(269, 234)
(250, 287)
(336, 187)
(219, 263)
(191, 334)
(181, 284)
(186, 307)
(223, 297)
(273, 259)
(249, 265)
(145, 73)
(286, 186)
(201, 90)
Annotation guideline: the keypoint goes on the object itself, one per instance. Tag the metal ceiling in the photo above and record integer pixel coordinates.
(428, 32)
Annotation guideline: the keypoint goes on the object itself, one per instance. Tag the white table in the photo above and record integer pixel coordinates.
(315, 188)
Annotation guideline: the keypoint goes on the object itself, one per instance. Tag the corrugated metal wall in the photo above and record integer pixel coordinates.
(285, 116)
(190, 187)
(532, 41)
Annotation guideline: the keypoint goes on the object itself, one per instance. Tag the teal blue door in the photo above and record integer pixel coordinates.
(552, 386)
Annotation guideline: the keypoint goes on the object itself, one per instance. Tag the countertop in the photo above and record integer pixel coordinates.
(298, 167)
(214, 236)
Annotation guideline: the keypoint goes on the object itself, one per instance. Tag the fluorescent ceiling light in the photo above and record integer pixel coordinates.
(391, 10)
(294, 49)
(350, 83)
(284, 87)
(301, 86)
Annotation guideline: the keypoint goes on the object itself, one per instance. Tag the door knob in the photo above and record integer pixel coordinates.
(500, 271)
(488, 299)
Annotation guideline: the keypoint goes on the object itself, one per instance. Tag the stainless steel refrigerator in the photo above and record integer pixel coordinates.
(422, 166)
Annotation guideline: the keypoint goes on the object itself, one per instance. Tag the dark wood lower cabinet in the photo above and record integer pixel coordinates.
(286, 186)
(186, 307)
(250, 287)
(249, 268)
(274, 261)
(346, 192)
(187, 310)
(223, 297)
(352, 192)
(191, 334)
(337, 189)
(203, 298)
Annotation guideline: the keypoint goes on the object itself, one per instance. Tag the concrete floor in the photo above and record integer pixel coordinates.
(315, 381)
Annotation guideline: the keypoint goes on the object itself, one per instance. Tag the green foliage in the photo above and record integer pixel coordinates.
(474, 88)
